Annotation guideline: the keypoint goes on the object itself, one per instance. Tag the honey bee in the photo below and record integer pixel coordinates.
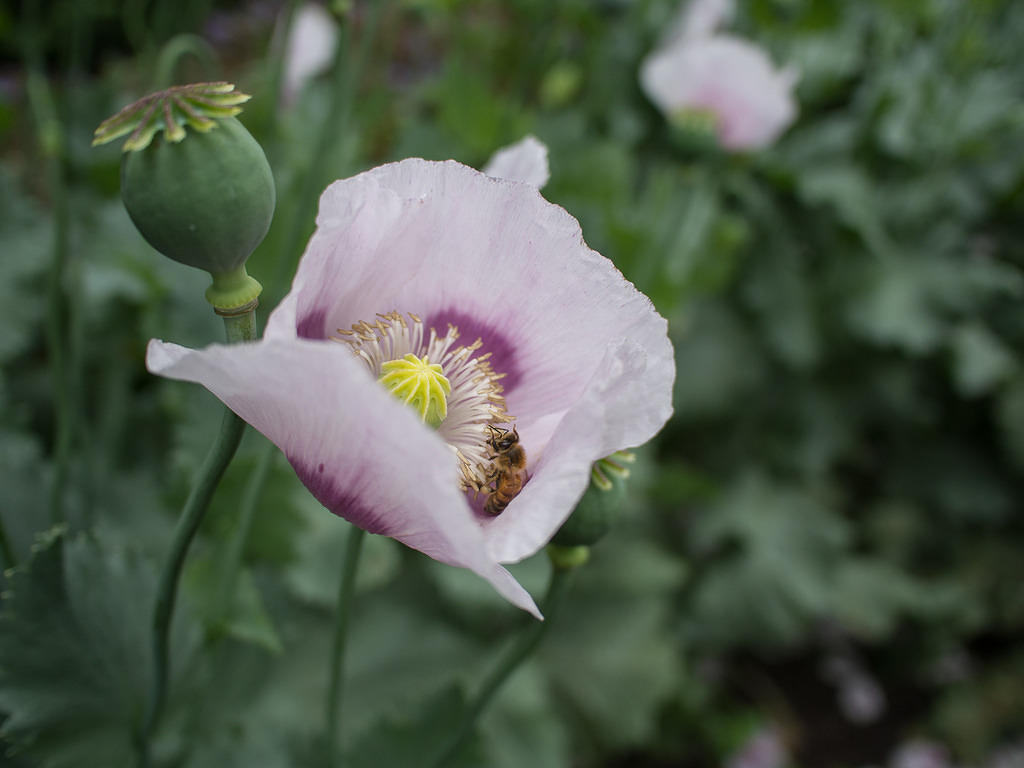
(508, 469)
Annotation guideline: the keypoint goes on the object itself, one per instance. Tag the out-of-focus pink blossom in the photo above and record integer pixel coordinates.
(308, 49)
(733, 80)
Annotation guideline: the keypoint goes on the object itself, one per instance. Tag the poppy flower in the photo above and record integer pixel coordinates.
(437, 314)
(700, 72)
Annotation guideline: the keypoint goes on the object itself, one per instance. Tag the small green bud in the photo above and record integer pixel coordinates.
(567, 558)
(601, 504)
(560, 84)
(203, 196)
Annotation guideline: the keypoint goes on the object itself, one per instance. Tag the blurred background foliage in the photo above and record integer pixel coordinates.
(819, 560)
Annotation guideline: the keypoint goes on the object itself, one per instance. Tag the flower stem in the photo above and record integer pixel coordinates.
(515, 655)
(346, 74)
(176, 49)
(50, 133)
(239, 327)
(232, 562)
(353, 548)
(5, 548)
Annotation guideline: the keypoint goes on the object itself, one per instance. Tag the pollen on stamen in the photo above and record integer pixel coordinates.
(476, 397)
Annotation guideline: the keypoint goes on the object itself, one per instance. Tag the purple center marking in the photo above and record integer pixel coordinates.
(495, 340)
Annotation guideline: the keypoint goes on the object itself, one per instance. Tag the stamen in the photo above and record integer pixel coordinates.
(452, 387)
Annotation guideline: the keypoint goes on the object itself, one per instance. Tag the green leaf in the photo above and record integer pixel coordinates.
(320, 544)
(23, 473)
(980, 360)
(417, 737)
(74, 651)
(27, 243)
(898, 307)
(523, 725)
(775, 547)
(240, 615)
(722, 361)
(611, 643)
(1010, 413)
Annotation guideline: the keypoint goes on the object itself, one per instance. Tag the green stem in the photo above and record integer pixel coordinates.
(239, 328)
(346, 77)
(275, 67)
(5, 547)
(232, 562)
(353, 548)
(176, 49)
(515, 655)
(50, 135)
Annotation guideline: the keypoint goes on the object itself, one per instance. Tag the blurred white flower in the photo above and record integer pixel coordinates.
(920, 753)
(730, 79)
(860, 697)
(309, 48)
(525, 161)
(764, 749)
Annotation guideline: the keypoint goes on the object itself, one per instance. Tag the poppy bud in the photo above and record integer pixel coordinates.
(204, 196)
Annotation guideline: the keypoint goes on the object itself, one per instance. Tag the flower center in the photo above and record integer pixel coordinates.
(420, 384)
(451, 386)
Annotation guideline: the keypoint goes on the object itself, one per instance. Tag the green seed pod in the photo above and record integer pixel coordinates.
(203, 197)
(206, 201)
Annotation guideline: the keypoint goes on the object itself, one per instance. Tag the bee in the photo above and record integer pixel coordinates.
(508, 469)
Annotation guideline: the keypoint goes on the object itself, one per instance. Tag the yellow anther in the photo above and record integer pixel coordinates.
(420, 384)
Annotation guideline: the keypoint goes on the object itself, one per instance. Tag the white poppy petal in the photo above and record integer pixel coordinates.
(584, 358)
(496, 259)
(525, 161)
(622, 407)
(359, 451)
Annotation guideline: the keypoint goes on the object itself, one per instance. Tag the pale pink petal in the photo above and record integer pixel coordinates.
(309, 48)
(494, 258)
(363, 454)
(622, 406)
(587, 362)
(731, 78)
(525, 161)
